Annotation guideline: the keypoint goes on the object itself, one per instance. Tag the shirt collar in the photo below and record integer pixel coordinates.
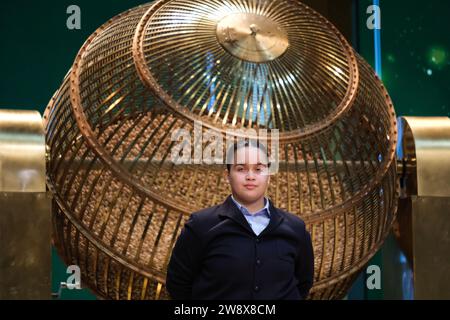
(245, 210)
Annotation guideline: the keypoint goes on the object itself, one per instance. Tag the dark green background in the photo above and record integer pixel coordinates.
(37, 50)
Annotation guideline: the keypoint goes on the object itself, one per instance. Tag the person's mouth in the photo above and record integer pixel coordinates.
(250, 186)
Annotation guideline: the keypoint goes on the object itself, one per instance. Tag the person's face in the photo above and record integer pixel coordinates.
(249, 174)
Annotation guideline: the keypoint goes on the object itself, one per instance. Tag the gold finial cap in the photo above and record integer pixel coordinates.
(252, 37)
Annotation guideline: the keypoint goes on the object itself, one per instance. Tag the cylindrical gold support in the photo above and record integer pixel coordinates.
(25, 215)
(423, 222)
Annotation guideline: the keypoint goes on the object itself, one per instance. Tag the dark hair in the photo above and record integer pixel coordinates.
(244, 144)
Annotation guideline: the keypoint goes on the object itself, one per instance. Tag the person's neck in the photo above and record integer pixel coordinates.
(252, 207)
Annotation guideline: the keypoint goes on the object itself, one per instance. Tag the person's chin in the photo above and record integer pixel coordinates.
(250, 195)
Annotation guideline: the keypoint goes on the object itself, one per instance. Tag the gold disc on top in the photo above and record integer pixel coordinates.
(252, 37)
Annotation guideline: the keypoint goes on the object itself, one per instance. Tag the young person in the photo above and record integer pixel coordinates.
(244, 248)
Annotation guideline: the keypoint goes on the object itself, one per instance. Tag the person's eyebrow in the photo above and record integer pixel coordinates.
(245, 163)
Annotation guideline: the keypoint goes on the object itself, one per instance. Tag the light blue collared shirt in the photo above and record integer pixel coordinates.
(257, 221)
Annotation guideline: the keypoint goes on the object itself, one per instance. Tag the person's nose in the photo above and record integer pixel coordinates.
(250, 175)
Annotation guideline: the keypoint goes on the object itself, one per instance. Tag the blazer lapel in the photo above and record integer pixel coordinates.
(230, 210)
(275, 219)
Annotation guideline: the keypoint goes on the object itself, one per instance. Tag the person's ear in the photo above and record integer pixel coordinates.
(226, 175)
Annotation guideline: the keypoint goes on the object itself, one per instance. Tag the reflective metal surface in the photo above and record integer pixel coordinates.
(423, 223)
(426, 143)
(252, 37)
(25, 246)
(431, 247)
(22, 151)
(25, 214)
(120, 202)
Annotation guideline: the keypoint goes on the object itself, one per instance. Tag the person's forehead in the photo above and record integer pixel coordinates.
(250, 154)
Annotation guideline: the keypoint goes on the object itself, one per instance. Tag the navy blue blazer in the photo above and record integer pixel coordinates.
(218, 257)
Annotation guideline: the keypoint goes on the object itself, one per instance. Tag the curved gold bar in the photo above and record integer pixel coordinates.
(25, 214)
(427, 141)
(423, 221)
(22, 151)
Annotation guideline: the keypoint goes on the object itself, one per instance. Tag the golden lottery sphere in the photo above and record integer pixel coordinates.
(120, 202)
